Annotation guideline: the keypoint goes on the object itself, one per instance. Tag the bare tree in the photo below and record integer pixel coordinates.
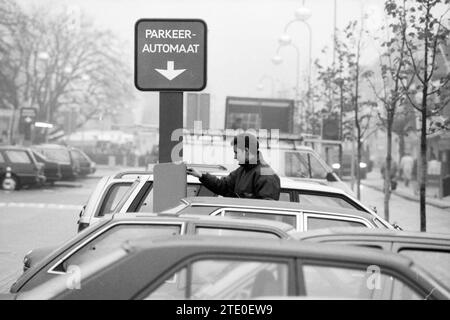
(392, 69)
(350, 44)
(56, 66)
(423, 32)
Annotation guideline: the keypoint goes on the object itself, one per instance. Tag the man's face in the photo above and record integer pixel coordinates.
(239, 155)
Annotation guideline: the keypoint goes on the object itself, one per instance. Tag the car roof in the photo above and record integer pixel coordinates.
(285, 182)
(50, 146)
(378, 234)
(204, 219)
(270, 205)
(245, 246)
(19, 148)
(289, 183)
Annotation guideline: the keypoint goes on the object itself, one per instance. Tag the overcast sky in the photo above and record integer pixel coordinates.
(242, 36)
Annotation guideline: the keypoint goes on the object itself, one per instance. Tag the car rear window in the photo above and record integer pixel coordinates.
(17, 156)
(325, 200)
(114, 238)
(228, 232)
(319, 223)
(289, 219)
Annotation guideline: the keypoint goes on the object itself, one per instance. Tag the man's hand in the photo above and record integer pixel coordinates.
(194, 172)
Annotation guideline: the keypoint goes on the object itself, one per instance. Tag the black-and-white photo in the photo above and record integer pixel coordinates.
(225, 150)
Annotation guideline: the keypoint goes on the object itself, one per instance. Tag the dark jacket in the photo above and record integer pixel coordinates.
(256, 181)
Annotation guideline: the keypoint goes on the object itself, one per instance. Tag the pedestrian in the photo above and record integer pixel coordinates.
(392, 174)
(253, 179)
(406, 167)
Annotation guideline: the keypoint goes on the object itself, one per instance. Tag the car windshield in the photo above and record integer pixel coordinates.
(304, 165)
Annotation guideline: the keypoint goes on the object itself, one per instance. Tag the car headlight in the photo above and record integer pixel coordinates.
(336, 166)
(362, 165)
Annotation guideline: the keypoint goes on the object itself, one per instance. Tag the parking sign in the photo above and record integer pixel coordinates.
(170, 55)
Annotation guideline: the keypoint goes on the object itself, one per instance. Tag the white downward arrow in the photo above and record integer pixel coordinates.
(170, 73)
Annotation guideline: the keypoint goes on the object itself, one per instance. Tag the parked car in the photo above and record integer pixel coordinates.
(345, 168)
(25, 169)
(44, 264)
(70, 167)
(87, 166)
(213, 268)
(52, 169)
(431, 251)
(132, 192)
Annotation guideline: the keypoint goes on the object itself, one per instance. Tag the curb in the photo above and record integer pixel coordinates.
(409, 197)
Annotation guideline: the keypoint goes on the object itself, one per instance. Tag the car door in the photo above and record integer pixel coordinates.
(21, 162)
(433, 257)
(225, 277)
(99, 243)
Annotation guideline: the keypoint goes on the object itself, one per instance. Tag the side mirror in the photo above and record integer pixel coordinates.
(331, 177)
(374, 209)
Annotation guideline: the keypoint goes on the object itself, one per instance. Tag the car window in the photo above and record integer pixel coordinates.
(40, 157)
(286, 218)
(2, 160)
(192, 190)
(319, 223)
(58, 155)
(17, 156)
(318, 171)
(227, 279)
(342, 282)
(285, 196)
(296, 165)
(205, 192)
(228, 232)
(325, 200)
(202, 210)
(173, 288)
(112, 198)
(77, 155)
(113, 238)
(436, 262)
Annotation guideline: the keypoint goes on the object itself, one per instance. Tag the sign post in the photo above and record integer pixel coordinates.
(27, 118)
(170, 57)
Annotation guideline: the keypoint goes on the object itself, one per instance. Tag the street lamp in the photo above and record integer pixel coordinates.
(277, 59)
(302, 14)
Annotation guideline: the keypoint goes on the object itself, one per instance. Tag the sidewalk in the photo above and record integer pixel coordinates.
(375, 181)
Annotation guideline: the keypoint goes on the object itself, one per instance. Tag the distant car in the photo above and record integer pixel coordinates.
(213, 268)
(133, 192)
(345, 168)
(52, 169)
(87, 166)
(70, 167)
(25, 169)
(44, 264)
(431, 251)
